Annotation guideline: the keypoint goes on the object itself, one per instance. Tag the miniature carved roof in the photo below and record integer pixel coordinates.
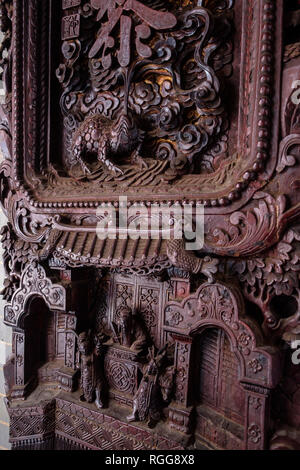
(87, 247)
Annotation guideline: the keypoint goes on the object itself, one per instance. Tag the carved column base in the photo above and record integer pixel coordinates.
(22, 391)
(18, 392)
(180, 418)
(67, 379)
(258, 416)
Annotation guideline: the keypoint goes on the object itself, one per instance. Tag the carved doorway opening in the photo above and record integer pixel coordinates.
(218, 395)
(34, 344)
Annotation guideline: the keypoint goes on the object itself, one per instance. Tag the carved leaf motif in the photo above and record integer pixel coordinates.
(285, 159)
(255, 402)
(255, 365)
(176, 318)
(211, 302)
(250, 231)
(274, 274)
(146, 15)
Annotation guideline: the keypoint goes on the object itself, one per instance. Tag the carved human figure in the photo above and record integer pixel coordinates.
(129, 331)
(166, 383)
(92, 379)
(154, 390)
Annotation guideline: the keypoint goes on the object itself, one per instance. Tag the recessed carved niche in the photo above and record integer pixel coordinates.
(138, 343)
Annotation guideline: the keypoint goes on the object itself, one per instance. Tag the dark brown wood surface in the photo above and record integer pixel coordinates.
(138, 343)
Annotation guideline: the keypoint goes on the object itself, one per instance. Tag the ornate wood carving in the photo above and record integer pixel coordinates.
(190, 106)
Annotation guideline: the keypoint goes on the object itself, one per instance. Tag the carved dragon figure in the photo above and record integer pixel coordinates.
(109, 138)
(189, 262)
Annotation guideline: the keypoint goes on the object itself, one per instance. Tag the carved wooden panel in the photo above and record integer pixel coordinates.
(218, 370)
(143, 296)
(124, 109)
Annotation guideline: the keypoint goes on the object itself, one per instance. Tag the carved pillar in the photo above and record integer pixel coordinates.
(70, 359)
(66, 375)
(180, 409)
(18, 390)
(77, 306)
(257, 416)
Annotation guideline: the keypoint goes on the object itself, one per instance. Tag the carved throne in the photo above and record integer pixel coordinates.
(114, 110)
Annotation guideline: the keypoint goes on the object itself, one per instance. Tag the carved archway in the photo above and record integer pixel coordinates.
(34, 282)
(33, 345)
(30, 312)
(219, 306)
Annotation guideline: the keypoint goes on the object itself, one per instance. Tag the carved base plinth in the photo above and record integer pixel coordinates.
(35, 443)
(213, 429)
(122, 370)
(49, 372)
(65, 423)
(180, 418)
(67, 379)
(22, 391)
(18, 392)
(33, 423)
